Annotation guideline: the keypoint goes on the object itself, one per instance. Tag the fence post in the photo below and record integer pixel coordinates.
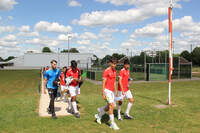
(191, 69)
(144, 65)
(179, 67)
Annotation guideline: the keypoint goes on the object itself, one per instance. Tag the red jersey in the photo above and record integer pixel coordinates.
(75, 74)
(62, 79)
(110, 75)
(124, 75)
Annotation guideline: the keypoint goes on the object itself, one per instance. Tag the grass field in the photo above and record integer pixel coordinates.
(19, 100)
(196, 72)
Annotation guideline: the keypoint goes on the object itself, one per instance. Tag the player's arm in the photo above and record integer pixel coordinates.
(45, 81)
(103, 87)
(121, 86)
(45, 85)
(116, 88)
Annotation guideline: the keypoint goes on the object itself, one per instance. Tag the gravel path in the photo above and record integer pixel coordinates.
(60, 106)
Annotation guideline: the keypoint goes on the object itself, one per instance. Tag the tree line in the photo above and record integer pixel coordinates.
(158, 57)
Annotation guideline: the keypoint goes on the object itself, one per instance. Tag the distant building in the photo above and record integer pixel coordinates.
(38, 60)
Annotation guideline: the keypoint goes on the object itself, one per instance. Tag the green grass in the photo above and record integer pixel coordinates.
(196, 69)
(19, 102)
(196, 72)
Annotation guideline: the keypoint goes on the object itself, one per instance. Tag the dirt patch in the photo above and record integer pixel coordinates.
(164, 106)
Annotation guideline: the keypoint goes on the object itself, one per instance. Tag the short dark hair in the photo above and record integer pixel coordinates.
(64, 67)
(113, 60)
(126, 61)
(73, 64)
(53, 61)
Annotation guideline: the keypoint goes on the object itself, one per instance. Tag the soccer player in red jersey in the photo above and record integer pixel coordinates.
(63, 84)
(74, 73)
(109, 90)
(123, 90)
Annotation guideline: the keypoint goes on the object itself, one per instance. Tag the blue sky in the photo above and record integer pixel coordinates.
(98, 26)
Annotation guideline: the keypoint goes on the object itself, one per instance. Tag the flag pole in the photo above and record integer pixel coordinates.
(170, 52)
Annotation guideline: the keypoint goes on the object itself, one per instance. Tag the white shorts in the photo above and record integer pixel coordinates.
(110, 96)
(63, 87)
(74, 90)
(127, 95)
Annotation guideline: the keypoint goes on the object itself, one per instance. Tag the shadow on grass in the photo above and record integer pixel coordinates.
(105, 118)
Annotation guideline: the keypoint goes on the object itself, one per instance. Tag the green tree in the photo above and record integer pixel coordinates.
(46, 50)
(185, 54)
(105, 59)
(1, 59)
(196, 56)
(72, 50)
(64, 51)
(9, 58)
(97, 61)
(118, 56)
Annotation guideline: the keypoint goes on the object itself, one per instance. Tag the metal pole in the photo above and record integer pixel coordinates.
(191, 52)
(159, 56)
(170, 50)
(68, 49)
(144, 65)
(179, 67)
(58, 58)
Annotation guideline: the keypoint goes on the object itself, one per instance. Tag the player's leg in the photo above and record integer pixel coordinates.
(119, 106)
(71, 92)
(74, 104)
(119, 110)
(65, 93)
(50, 92)
(129, 105)
(101, 112)
(53, 96)
(111, 101)
(62, 92)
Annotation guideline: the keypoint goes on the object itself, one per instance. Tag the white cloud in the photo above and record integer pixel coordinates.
(74, 3)
(124, 31)
(64, 37)
(149, 31)
(8, 41)
(185, 26)
(9, 37)
(28, 34)
(144, 9)
(142, 3)
(106, 34)
(24, 28)
(96, 18)
(185, 30)
(98, 49)
(88, 35)
(130, 43)
(6, 29)
(52, 27)
(42, 41)
(10, 17)
(7, 4)
(108, 30)
(84, 42)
